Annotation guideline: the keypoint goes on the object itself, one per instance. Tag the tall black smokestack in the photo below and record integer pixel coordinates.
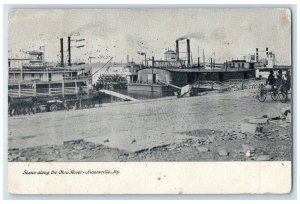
(177, 50)
(256, 54)
(267, 51)
(69, 51)
(153, 61)
(188, 52)
(62, 52)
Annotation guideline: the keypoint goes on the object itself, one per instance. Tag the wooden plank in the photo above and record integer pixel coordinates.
(118, 95)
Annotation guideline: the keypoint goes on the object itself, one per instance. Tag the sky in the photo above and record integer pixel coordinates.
(229, 33)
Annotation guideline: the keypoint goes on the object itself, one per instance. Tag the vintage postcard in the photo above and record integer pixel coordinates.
(149, 101)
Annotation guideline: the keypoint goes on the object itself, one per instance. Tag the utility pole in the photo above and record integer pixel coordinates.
(152, 76)
(191, 60)
(204, 60)
(198, 58)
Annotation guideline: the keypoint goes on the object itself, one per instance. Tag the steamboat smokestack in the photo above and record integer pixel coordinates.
(62, 52)
(177, 50)
(153, 61)
(188, 52)
(267, 51)
(256, 54)
(69, 51)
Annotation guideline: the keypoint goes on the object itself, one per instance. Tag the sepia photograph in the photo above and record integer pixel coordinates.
(149, 85)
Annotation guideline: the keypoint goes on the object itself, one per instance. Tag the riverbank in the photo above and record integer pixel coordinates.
(167, 129)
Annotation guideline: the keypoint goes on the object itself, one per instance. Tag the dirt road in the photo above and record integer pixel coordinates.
(130, 127)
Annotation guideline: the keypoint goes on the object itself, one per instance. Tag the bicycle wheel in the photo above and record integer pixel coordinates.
(53, 108)
(262, 95)
(274, 95)
(282, 92)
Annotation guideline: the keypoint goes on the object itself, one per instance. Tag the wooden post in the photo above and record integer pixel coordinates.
(34, 88)
(21, 73)
(19, 89)
(152, 77)
(76, 91)
(49, 89)
(63, 89)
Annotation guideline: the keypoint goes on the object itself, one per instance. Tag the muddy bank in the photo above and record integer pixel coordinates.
(274, 143)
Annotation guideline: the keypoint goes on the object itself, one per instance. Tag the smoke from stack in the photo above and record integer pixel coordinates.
(181, 38)
(196, 35)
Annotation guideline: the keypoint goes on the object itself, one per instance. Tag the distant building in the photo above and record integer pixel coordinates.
(170, 55)
(128, 71)
(243, 64)
(270, 58)
(165, 63)
(131, 72)
(265, 60)
(153, 76)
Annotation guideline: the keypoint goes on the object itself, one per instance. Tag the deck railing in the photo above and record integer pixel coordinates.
(75, 77)
(32, 92)
(38, 80)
